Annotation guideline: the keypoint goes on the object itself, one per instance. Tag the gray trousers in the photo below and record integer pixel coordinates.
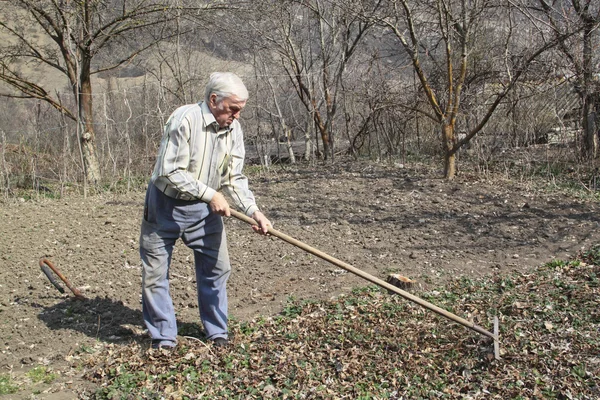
(165, 220)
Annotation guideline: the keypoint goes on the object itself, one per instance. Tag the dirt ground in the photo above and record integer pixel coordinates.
(379, 218)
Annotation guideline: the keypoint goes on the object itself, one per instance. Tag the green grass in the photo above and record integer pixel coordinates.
(37, 375)
(592, 256)
(7, 385)
(41, 374)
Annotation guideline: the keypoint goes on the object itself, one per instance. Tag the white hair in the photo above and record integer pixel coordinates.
(225, 84)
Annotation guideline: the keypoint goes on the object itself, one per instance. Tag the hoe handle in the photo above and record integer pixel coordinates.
(368, 277)
(50, 277)
(45, 262)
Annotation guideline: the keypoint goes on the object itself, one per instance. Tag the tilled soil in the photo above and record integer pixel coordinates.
(379, 218)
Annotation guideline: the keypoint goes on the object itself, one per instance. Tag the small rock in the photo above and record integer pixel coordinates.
(269, 389)
(26, 360)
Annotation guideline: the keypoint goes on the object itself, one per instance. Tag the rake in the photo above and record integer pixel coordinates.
(468, 324)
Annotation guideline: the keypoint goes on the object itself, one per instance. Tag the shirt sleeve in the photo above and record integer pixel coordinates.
(175, 159)
(234, 182)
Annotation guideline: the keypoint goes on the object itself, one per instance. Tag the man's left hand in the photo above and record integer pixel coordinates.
(263, 223)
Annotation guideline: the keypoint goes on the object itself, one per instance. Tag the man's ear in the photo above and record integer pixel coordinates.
(213, 99)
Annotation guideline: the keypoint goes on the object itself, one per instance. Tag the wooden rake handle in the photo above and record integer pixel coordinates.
(368, 277)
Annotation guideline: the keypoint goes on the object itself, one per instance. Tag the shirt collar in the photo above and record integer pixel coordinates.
(209, 119)
(207, 115)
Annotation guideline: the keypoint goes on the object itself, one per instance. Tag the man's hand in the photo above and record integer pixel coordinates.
(219, 205)
(263, 223)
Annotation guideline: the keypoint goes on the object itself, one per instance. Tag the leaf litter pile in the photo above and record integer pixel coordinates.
(371, 344)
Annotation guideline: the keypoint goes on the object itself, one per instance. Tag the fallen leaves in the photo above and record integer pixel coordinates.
(373, 345)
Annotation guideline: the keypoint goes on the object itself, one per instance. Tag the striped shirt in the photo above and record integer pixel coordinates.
(197, 158)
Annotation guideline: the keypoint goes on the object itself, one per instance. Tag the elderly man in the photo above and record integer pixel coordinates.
(201, 153)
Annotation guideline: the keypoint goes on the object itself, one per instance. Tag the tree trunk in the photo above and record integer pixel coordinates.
(448, 140)
(590, 128)
(290, 148)
(322, 129)
(590, 124)
(590, 137)
(308, 150)
(450, 166)
(88, 136)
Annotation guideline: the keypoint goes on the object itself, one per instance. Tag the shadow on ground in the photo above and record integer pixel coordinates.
(105, 320)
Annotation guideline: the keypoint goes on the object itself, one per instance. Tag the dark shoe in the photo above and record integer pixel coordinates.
(158, 344)
(220, 342)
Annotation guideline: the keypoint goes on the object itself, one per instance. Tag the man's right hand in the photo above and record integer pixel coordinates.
(219, 205)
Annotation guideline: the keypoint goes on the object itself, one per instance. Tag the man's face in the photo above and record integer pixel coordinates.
(226, 110)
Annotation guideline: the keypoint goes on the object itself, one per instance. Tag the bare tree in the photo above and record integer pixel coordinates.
(440, 37)
(313, 42)
(279, 115)
(576, 23)
(78, 39)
